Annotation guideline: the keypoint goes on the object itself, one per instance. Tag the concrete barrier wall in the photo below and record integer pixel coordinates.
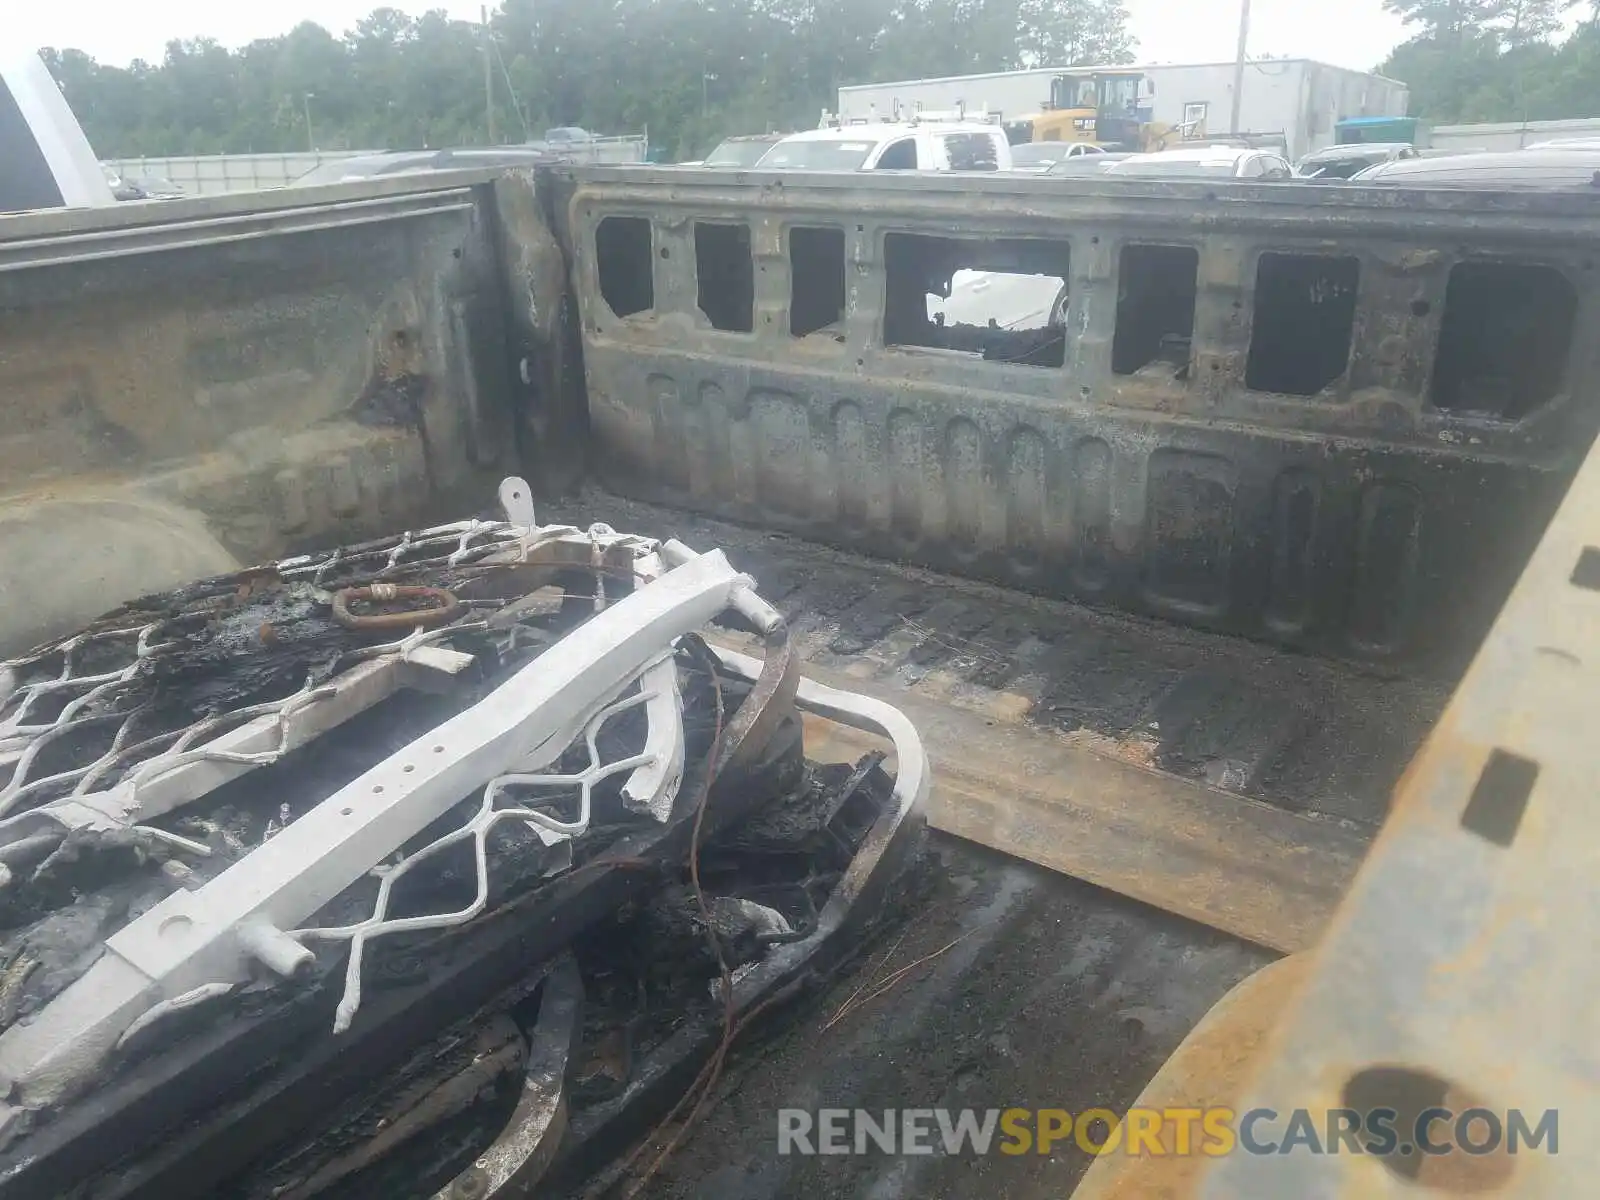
(213, 174)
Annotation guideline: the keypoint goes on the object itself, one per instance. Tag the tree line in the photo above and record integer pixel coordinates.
(1499, 60)
(691, 71)
(694, 71)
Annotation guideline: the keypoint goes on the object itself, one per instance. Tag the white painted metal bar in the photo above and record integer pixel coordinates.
(194, 766)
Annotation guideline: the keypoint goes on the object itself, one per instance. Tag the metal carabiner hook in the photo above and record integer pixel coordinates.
(446, 607)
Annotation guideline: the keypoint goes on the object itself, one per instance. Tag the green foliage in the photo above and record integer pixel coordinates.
(691, 71)
(1499, 60)
(1515, 22)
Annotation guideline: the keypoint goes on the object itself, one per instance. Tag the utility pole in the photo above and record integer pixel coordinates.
(488, 75)
(1238, 66)
(311, 140)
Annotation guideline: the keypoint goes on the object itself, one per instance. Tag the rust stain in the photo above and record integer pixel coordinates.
(1137, 748)
(608, 1059)
(830, 742)
(255, 580)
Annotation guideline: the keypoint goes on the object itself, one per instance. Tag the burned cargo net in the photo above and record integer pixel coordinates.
(441, 858)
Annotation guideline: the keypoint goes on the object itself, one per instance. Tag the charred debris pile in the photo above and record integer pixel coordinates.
(612, 944)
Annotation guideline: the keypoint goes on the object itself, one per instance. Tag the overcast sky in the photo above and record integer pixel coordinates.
(1359, 34)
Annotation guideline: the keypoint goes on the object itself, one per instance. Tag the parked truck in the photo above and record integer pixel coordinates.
(1171, 583)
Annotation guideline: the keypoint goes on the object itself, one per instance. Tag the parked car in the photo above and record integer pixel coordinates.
(740, 151)
(894, 146)
(142, 187)
(1555, 169)
(1219, 162)
(412, 162)
(1006, 299)
(1341, 162)
(1042, 156)
(1089, 164)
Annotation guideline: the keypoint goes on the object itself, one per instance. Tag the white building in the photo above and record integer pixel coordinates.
(1295, 97)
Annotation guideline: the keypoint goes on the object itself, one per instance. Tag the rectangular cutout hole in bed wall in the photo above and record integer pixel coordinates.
(727, 276)
(816, 279)
(1586, 574)
(622, 247)
(1000, 300)
(1495, 810)
(1305, 314)
(1155, 310)
(1504, 339)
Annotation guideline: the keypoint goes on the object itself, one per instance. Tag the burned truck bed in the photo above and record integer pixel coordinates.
(1171, 585)
(982, 980)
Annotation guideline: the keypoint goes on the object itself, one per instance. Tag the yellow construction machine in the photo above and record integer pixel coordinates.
(1103, 107)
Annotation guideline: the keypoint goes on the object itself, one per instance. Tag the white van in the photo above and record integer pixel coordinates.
(894, 146)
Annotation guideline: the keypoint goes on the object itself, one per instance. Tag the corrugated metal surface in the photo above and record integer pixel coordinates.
(1512, 135)
(1010, 93)
(1360, 520)
(211, 174)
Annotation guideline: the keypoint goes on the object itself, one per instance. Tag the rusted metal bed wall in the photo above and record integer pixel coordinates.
(229, 378)
(1361, 520)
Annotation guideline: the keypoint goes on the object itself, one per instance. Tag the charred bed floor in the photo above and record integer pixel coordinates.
(1031, 989)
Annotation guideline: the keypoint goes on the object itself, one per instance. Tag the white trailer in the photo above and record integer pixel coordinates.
(1298, 98)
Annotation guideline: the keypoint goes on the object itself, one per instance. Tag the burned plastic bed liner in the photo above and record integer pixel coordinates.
(664, 803)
